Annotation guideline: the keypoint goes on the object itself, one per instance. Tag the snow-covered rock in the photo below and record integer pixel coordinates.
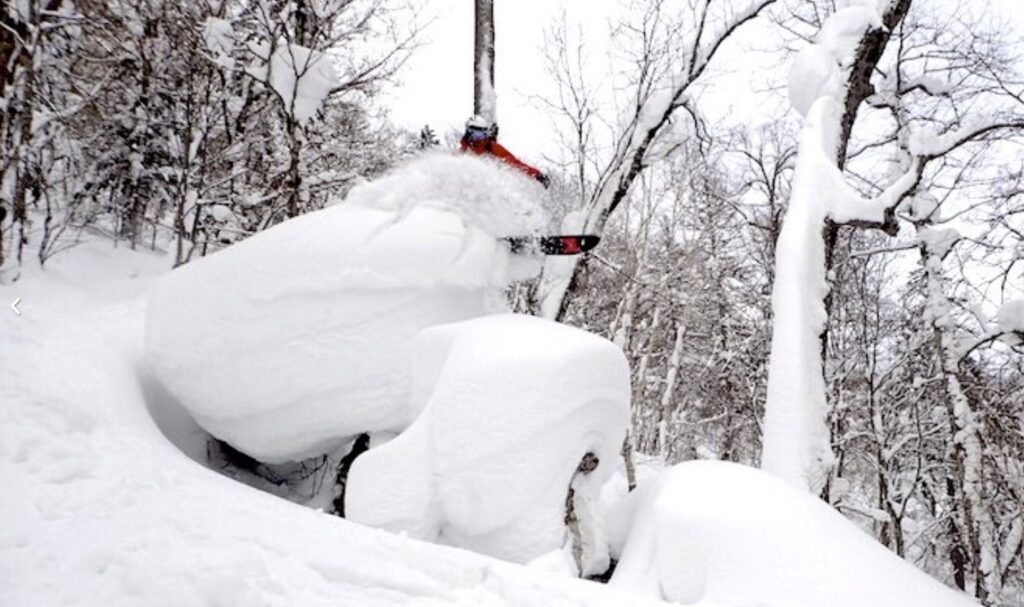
(724, 534)
(510, 405)
(289, 342)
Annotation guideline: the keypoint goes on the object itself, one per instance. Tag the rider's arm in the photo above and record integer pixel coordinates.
(499, 151)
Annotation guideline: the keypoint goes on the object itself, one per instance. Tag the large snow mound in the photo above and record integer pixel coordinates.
(727, 534)
(299, 337)
(100, 509)
(510, 406)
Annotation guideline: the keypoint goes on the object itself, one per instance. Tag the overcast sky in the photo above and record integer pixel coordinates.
(437, 84)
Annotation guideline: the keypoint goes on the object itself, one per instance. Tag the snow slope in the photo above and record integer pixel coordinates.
(511, 404)
(731, 535)
(292, 341)
(100, 509)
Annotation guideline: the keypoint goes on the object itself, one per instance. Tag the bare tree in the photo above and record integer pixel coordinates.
(660, 88)
(27, 30)
(295, 57)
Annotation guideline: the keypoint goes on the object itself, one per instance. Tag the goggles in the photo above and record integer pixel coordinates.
(476, 134)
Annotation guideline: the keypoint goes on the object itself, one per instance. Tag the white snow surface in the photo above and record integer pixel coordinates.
(842, 31)
(100, 509)
(292, 341)
(726, 534)
(814, 73)
(922, 206)
(510, 404)
(302, 77)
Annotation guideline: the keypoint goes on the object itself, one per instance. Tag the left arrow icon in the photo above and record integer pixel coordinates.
(14, 306)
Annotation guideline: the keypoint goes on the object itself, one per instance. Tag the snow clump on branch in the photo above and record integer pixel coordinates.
(302, 77)
(817, 70)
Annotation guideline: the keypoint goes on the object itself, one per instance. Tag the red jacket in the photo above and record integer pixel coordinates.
(493, 148)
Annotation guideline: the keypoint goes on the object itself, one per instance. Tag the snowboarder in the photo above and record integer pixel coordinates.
(482, 138)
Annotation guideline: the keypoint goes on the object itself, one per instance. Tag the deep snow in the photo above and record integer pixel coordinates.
(732, 535)
(288, 343)
(101, 509)
(510, 405)
(107, 501)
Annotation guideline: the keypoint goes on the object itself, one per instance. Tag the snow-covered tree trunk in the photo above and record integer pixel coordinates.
(823, 87)
(484, 99)
(667, 403)
(966, 425)
(796, 442)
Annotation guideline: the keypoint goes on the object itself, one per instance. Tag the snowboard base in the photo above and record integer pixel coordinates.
(562, 244)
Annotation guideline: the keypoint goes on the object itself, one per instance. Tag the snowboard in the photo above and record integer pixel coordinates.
(562, 244)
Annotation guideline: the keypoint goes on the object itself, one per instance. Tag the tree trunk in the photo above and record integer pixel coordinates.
(294, 175)
(484, 99)
(869, 53)
(966, 430)
(668, 404)
(3, 214)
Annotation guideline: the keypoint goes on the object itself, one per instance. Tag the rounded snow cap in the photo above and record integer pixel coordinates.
(476, 121)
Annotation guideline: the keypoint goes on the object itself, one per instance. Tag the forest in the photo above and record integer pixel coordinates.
(836, 295)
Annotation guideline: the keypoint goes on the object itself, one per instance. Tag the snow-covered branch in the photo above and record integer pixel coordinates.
(702, 58)
(850, 208)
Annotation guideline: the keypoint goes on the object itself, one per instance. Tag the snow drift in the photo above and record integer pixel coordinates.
(299, 337)
(510, 406)
(727, 534)
(100, 509)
